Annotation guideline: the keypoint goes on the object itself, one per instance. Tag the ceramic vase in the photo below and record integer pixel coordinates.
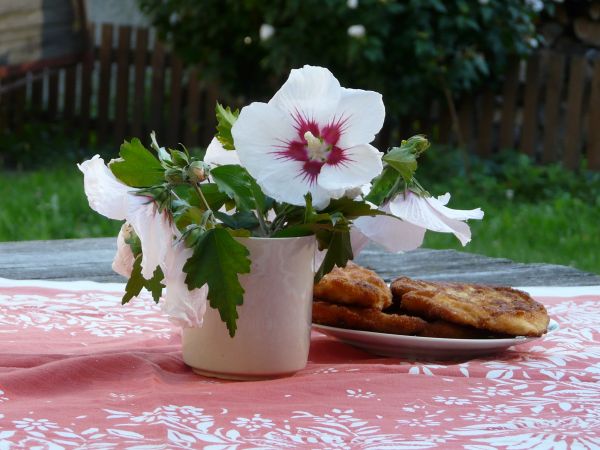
(273, 327)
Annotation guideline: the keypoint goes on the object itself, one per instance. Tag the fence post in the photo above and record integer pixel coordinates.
(104, 88)
(573, 131)
(552, 107)
(122, 98)
(593, 141)
(530, 107)
(509, 98)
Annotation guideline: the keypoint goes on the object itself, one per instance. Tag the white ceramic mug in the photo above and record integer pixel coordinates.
(273, 328)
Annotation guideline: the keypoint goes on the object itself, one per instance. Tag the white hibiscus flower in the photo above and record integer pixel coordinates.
(418, 215)
(313, 136)
(124, 258)
(115, 200)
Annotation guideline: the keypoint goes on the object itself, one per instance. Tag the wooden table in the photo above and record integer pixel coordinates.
(90, 259)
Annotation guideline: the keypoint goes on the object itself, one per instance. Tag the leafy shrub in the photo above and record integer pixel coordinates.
(405, 49)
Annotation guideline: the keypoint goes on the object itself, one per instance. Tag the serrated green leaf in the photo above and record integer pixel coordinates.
(225, 120)
(242, 219)
(137, 282)
(339, 251)
(217, 260)
(403, 160)
(138, 167)
(351, 209)
(234, 181)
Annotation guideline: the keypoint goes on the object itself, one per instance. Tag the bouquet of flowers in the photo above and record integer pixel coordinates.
(301, 164)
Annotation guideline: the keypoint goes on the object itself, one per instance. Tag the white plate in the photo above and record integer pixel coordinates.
(416, 347)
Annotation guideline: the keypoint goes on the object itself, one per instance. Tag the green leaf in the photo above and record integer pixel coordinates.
(403, 160)
(242, 219)
(217, 260)
(237, 183)
(138, 167)
(225, 120)
(351, 209)
(385, 186)
(136, 282)
(339, 252)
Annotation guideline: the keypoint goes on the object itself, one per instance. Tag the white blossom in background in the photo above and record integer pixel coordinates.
(356, 31)
(312, 137)
(533, 42)
(266, 31)
(535, 5)
(352, 4)
(484, 2)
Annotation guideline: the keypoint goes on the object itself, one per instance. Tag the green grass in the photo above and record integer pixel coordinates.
(532, 214)
(563, 231)
(48, 204)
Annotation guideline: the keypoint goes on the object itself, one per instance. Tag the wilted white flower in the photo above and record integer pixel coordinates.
(417, 215)
(356, 31)
(124, 258)
(115, 200)
(313, 136)
(266, 31)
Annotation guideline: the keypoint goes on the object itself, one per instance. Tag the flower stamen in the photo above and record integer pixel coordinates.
(316, 148)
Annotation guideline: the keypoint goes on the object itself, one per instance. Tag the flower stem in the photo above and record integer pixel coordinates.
(201, 195)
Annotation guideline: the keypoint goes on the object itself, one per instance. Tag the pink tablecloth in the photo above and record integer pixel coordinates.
(77, 370)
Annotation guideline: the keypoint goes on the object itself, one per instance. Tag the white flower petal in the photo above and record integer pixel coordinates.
(285, 182)
(392, 234)
(123, 261)
(106, 195)
(184, 307)
(363, 164)
(312, 91)
(155, 232)
(259, 132)
(419, 211)
(216, 155)
(363, 113)
(456, 214)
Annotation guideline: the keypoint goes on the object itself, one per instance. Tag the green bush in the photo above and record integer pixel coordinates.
(406, 50)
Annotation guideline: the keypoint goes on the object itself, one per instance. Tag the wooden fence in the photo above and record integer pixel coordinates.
(129, 84)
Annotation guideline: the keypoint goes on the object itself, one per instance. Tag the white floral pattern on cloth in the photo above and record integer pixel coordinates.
(78, 370)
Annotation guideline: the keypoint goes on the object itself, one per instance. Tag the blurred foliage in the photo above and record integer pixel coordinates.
(407, 50)
(39, 144)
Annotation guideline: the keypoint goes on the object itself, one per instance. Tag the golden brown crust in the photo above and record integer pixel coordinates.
(354, 285)
(496, 309)
(367, 319)
(443, 329)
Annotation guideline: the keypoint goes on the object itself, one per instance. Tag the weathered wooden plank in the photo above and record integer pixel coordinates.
(90, 259)
(509, 106)
(593, 138)
(157, 93)
(530, 107)
(465, 117)
(70, 92)
(574, 131)
(37, 92)
(485, 123)
(53, 94)
(552, 107)
(141, 48)
(193, 107)
(122, 99)
(104, 85)
(210, 120)
(175, 106)
(87, 66)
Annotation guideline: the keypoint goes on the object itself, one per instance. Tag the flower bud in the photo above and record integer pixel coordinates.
(197, 171)
(174, 175)
(416, 144)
